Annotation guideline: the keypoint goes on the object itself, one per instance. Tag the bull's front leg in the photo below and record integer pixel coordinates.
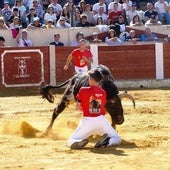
(61, 106)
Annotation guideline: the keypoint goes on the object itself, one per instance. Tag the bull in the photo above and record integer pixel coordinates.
(113, 104)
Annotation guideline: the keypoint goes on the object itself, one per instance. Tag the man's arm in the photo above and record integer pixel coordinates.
(69, 58)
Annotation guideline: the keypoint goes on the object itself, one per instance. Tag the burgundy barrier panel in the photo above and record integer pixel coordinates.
(166, 58)
(24, 66)
(129, 62)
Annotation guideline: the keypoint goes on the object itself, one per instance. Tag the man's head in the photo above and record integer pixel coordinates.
(82, 44)
(94, 77)
(2, 41)
(56, 37)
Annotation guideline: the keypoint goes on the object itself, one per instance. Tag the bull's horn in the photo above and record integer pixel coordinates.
(126, 95)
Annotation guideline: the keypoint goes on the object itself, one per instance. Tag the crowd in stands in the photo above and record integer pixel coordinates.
(107, 15)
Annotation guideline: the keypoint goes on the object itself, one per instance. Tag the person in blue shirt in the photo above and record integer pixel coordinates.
(148, 35)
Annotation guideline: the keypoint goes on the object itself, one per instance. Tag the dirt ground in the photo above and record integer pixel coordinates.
(145, 135)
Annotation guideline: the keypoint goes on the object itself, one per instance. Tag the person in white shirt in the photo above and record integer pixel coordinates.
(96, 6)
(61, 23)
(111, 6)
(50, 15)
(23, 40)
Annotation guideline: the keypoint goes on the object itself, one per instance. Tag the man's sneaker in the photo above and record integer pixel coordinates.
(103, 142)
(79, 145)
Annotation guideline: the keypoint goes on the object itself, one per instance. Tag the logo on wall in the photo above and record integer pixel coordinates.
(22, 68)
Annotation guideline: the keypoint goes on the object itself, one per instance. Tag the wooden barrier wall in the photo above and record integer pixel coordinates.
(22, 67)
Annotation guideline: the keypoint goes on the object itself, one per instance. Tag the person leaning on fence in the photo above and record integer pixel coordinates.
(81, 56)
(91, 101)
(57, 41)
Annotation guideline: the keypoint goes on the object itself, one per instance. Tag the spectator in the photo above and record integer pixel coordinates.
(102, 15)
(136, 21)
(61, 23)
(111, 6)
(6, 11)
(102, 27)
(31, 15)
(161, 7)
(122, 22)
(112, 39)
(113, 15)
(96, 7)
(66, 14)
(89, 13)
(45, 4)
(94, 120)
(15, 13)
(82, 6)
(131, 13)
(148, 35)
(57, 8)
(95, 38)
(57, 41)
(22, 12)
(11, 3)
(83, 21)
(2, 41)
(49, 24)
(150, 12)
(23, 40)
(82, 56)
(50, 15)
(132, 37)
(79, 36)
(38, 10)
(15, 26)
(127, 4)
(76, 17)
(2, 24)
(36, 24)
(152, 21)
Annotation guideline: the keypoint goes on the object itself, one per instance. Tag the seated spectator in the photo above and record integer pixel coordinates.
(15, 13)
(126, 5)
(112, 39)
(96, 7)
(22, 12)
(136, 21)
(150, 12)
(36, 24)
(61, 23)
(76, 17)
(83, 21)
(49, 24)
(153, 21)
(15, 26)
(148, 35)
(132, 37)
(23, 40)
(122, 22)
(102, 15)
(57, 8)
(95, 38)
(79, 36)
(2, 41)
(89, 14)
(66, 14)
(31, 15)
(82, 6)
(100, 25)
(6, 11)
(2, 24)
(161, 7)
(57, 41)
(38, 10)
(111, 6)
(113, 15)
(50, 15)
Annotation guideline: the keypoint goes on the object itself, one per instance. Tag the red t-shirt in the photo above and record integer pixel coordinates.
(92, 101)
(78, 57)
(113, 16)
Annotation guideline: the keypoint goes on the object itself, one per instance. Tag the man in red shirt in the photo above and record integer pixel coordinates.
(91, 100)
(82, 56)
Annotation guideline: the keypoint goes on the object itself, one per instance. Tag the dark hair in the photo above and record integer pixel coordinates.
(2, 39)
(79, 33)
(95, 74)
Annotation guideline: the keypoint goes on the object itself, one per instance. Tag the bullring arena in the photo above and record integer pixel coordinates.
(142, 70)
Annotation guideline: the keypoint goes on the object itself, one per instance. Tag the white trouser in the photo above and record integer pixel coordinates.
(81, 69)
(94, 125)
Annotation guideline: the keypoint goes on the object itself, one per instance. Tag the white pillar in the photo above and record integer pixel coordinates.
(52, 64)
(94, 50)
(159, 61)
